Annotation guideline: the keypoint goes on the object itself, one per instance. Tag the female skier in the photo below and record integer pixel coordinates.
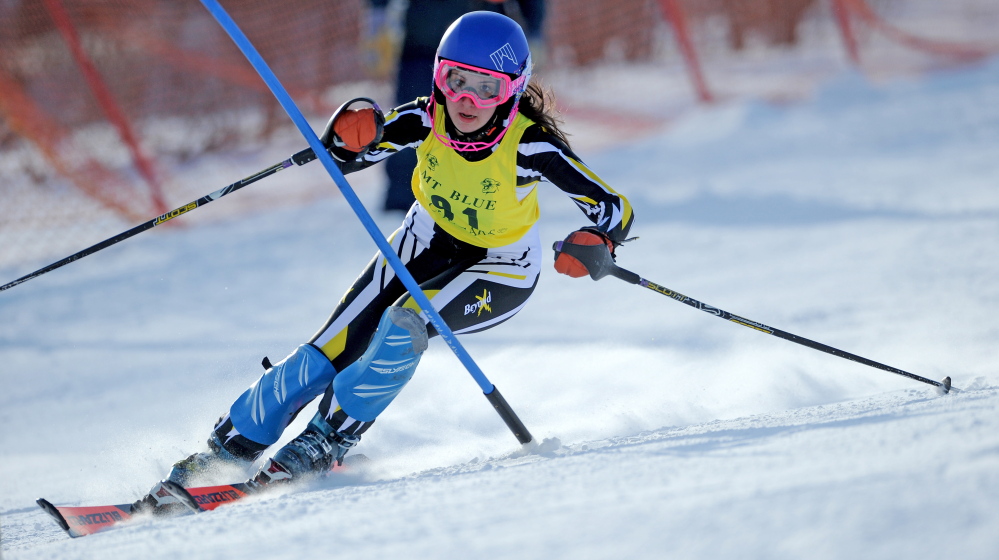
(484, 140)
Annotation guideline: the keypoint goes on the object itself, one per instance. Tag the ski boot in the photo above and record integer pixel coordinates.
(207, 463)
(192, 470)
(311, 454)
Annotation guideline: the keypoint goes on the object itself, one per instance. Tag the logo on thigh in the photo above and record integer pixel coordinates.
(481, 303)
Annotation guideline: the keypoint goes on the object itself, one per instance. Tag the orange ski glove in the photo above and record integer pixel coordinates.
(571, 266)
(356, 129)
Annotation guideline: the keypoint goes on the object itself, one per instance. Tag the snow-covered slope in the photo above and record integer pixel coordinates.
(866, 219)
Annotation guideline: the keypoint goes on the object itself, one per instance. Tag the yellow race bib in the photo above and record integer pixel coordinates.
(475, 202)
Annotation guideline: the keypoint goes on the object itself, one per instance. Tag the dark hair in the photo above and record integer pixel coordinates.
(538, 104)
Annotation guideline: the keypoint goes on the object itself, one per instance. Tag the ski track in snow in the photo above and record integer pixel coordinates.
(866, 219)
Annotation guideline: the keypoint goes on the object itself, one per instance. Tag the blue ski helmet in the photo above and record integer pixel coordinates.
(487, 40)
(491, 42)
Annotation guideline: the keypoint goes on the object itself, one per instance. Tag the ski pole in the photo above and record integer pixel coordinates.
(599, 263)
(490, 391)
(301, 158)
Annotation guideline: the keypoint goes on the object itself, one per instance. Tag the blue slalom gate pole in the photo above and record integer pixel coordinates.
(251, 54)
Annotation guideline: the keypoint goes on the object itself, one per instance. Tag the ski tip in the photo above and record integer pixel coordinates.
(50, 509)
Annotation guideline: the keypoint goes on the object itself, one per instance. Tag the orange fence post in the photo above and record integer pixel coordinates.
(842, 13)
(676, 18)
(106, 100)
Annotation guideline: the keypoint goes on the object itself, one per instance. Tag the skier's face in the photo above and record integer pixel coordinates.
(466, 116)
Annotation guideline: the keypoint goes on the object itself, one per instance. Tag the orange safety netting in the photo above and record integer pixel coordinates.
(104, 104)
(959, 50)
(72, 66)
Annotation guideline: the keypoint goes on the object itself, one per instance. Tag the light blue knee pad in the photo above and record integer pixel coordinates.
(266, 408)
(367, 386)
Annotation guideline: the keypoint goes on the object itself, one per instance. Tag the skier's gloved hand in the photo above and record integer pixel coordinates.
(355, 130)
(352, 132)
(579, 265)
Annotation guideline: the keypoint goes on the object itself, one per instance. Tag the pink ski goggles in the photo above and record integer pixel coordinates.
(484, 87)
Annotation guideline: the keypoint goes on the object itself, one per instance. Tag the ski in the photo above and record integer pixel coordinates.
(166, 499)
(83, 521)
(80, 521)
(207, 498)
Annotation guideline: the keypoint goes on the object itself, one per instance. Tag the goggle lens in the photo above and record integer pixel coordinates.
(480, 85)
(485, 89)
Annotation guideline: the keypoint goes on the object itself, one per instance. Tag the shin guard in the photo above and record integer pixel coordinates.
(367, 386)
(264, 410)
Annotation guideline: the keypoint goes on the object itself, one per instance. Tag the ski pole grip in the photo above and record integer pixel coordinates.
(303, 157)
(597, 260)
(509, 416)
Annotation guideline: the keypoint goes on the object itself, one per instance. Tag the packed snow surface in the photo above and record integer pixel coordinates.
(866, 218)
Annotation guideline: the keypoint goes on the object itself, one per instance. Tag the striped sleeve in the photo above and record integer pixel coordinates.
(543, 157)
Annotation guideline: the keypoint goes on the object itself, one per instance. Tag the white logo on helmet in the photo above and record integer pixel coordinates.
(504, 52)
